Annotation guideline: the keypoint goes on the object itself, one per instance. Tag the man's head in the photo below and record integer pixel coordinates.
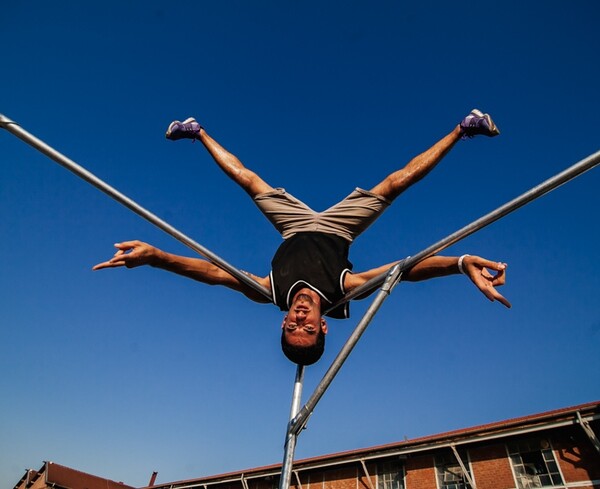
(303, 329)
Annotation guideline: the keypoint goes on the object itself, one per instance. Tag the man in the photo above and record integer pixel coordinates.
(310, 270)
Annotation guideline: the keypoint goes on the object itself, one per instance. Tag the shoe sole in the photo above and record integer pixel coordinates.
(170, 128)
(494, 131)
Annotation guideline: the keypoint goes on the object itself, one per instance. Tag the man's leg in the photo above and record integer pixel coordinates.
(229, 163)
(396, 183)
(476, 123)
(354, 214)
(233, 167)
(287, 214)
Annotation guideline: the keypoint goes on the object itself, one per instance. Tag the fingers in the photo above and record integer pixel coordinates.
(487, 282)
(500, 278)
(489, 290)
(482, 264)
(109, 264)
(492, 265)
(486, 274)
(123, 256)
(126, 245)
(502, 300)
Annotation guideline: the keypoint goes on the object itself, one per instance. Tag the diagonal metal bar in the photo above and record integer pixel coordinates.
(541, 189)
(298, 418)
(463, 467)
(366, 471)
(589, 431)
(298, 483)
(81, 172)
(391, 277)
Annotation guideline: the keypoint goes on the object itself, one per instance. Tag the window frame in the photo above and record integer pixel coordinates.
(396, 482)
(542, 447)
(441, 460)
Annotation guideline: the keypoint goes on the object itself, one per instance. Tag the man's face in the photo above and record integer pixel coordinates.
(303, 321)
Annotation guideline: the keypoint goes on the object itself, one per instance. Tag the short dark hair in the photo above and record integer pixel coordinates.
(304, 355)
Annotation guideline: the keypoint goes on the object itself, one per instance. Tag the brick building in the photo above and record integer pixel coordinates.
(556, 449)
(57, 476)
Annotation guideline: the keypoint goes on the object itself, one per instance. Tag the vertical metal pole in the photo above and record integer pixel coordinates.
(299, 418)
(393, 277)
(290, 437)
(81, 172)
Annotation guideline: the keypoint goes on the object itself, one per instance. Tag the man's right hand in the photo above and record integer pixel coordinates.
(131, 254)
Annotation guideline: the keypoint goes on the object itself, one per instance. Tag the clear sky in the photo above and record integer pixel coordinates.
(123, 372)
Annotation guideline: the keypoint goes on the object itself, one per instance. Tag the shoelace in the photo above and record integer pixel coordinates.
(189, 129)
(472, 122)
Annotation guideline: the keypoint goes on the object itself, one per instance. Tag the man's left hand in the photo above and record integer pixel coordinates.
(476, 268)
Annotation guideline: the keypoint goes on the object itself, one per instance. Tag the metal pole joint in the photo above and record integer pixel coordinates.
(299, 422)
(393, 278)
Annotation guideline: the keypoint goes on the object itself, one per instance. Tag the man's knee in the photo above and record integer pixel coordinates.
(252, 183)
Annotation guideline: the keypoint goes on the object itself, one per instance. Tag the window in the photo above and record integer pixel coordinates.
(534, 464)
(390, 475)
(449, 472)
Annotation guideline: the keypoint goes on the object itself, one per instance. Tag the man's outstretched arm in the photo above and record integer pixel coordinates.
(474, 267)
(133, 254)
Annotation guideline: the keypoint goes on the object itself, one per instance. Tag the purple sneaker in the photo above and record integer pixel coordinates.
(188, 129)
(478, 123)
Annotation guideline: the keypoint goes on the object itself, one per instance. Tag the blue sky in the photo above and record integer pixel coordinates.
(123, 372)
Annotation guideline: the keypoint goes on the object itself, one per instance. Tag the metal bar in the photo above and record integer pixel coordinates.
(298, 418)
(462, 467)
(393, 277)
(589, 432)
(298, 483)
(364, 466)
(291, 436)
(81, 172)
(543, 188)
(532, 194)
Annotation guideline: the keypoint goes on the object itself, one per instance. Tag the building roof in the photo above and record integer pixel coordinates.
(61, 477)
(501, 429)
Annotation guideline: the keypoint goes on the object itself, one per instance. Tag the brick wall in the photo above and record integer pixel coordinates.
(491, 467)
(577, 457)
(420, 472)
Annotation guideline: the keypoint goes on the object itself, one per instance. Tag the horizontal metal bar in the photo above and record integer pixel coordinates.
(81, 172)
